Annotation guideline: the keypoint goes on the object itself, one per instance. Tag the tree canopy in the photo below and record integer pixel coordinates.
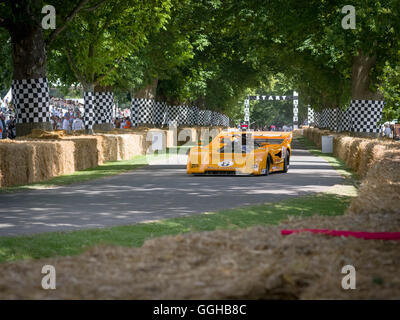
(213, 53)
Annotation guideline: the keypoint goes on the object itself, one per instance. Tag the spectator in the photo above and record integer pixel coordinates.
(117, 123)
(11, 128)
(78, 124)
(3, 126)
(127, 123)
(65, 123)
(388, 131)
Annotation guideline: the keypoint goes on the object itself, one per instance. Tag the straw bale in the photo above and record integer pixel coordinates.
(380, 190)
(254, 263)
(341, 147)
(33, 161)
(131, 145)
(109, 144)
(43, 134)
(16, 161)
(87, 151)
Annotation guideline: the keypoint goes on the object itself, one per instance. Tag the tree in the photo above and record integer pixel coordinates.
(22, 19)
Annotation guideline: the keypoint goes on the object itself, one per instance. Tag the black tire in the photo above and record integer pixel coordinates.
(267, 167)
(286, 164)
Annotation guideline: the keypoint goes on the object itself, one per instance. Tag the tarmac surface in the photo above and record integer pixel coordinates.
(158, 191)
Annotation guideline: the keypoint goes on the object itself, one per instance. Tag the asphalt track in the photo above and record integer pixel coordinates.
(155, 192)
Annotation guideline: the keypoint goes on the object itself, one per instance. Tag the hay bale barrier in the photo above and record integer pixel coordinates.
(359, 154)
(253, 263)
(46, 154)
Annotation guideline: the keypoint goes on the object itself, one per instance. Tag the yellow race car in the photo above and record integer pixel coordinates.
(242, 153)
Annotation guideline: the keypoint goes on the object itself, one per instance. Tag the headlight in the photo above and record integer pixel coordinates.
(195, 165)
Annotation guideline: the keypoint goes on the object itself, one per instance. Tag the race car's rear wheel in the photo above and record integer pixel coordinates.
(286, 164)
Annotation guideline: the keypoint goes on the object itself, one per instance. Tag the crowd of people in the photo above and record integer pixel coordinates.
(64, 115)
(271, 127)
(72, 121)
(391, 130)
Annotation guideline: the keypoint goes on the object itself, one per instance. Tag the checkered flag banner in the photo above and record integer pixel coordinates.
(104, 102)
(331, 121)
(214, 118)
(193, 116)
(31, 100)
(89, 117)
(142, 111)
(173, 115)
(145, 111)
(365, 114)
(208, 118)
(317, 119)
(159, 112)
(344, 120)
(310, 116)
(183, 115)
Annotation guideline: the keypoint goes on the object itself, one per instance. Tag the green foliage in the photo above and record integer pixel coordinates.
(6, 70)
(390, 87)
(98, 41)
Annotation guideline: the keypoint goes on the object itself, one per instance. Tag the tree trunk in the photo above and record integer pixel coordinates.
(148, 92)
(362, 66)
(29, 62)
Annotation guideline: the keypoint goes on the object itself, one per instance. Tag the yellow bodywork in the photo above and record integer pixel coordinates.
(262, 153)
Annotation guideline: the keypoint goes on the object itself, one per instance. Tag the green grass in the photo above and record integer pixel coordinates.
(72, 243)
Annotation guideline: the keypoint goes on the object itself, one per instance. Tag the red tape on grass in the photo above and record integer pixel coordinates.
(356, 234)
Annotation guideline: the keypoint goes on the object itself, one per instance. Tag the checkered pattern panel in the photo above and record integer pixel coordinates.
(201, 117)
(193, 116)
(207, 118)
(165, 120)
(183, 115)
(104, 102)
(142, 111)
(214, 118)
(324, 118)
(173, 115)
(310, 116)
(365, 114)
(344, 120)
(159, 112)
(317, 119)
(89, 117)
(225, 120)
(331, 120)
(31, 100)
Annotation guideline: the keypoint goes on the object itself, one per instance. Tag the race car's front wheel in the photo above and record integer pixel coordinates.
(286, 164)
(267, 166)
